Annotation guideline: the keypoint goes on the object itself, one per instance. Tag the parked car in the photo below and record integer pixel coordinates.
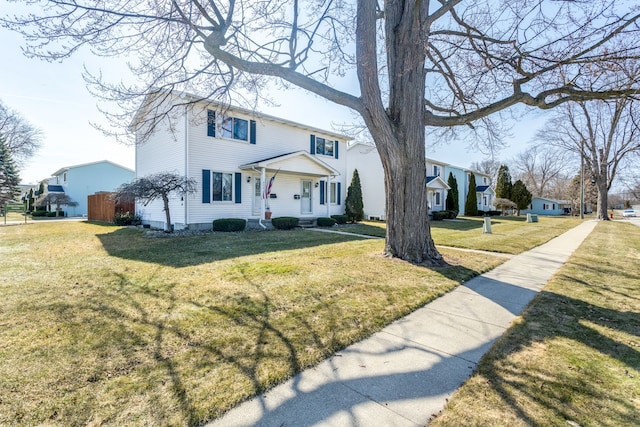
(628, 212)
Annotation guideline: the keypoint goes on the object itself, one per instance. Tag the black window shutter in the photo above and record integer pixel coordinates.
(312, 148)
(238, 184)
(322, 192)
(211, 123)
(206, 186)
(335, 148)
(338, 198)
(252, 131)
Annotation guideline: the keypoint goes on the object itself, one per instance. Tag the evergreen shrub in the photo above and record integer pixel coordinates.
(340, 219)
(229, 224)
(326, 222)
(285, 222)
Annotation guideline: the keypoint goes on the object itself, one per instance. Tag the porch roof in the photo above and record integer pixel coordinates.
(435, 182)
(297, 162)
(484, 189)
(55, 188)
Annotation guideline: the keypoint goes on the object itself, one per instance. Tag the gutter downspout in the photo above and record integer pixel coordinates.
(186, 163)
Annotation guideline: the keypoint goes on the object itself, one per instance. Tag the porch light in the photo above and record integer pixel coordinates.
(248, 178)
(316, 184)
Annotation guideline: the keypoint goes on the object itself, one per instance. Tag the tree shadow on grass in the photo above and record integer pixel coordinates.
(548, 391)
(186, 251)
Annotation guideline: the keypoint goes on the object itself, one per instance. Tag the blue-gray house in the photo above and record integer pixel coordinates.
(80, 181)
(544, 206)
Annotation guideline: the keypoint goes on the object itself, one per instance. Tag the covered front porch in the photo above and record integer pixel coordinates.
(294, 184)
(436, 193)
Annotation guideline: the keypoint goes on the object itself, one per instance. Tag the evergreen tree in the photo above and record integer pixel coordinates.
(354, 208)
(41, 189)
(520, 195)
(453, 202)
(503, 183)
(471, 205)
(9, 179)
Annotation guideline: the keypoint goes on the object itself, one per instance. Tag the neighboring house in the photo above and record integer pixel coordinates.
(485, 194)
(233, 153)
(544, 206)
(80, 181)
(364, 157)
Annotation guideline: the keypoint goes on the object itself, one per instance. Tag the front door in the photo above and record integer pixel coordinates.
(257, 196)
(305, 199)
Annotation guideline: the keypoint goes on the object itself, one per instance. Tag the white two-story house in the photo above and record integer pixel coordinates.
(485, 194)
(365, 158)
(233, 154)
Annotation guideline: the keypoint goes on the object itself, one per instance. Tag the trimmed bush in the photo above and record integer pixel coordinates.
(326, 222)
(340, 219)
(51, 214)
(126, 218)
(453, 214)
(440, 215)
(229, 224)
(285, 222)
(39, 213)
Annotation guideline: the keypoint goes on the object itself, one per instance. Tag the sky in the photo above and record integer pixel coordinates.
(53, 97)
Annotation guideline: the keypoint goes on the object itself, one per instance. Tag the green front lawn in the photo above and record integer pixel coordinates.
(573, 357)
(102, 325)
(511, 235)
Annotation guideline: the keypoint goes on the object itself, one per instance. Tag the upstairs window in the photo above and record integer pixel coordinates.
(324, 146)
(234, 128)
(436, 170)
(222, 126)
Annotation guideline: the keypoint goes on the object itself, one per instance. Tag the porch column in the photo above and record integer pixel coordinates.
(263, 201)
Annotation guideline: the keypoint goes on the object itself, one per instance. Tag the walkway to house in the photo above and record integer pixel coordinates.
(404, 374)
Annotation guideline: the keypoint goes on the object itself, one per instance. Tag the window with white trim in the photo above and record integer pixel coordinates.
(436, 197)
(324, 146)
(234, 128)
(484, 200)
(436, 170)
(333, 193)
(222, 187)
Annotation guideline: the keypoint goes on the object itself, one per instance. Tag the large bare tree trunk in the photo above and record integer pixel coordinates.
(399, 131)
(602, 181)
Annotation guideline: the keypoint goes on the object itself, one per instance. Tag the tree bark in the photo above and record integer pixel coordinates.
(399, 131)
(165, 201)
(602, 183)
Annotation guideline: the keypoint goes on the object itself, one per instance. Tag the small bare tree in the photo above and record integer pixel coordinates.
(57, 199)
(154, 187)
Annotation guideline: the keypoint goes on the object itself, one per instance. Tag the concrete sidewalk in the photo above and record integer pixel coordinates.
(403, 374)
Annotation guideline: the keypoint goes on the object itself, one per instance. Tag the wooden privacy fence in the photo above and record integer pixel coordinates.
(103, 208)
